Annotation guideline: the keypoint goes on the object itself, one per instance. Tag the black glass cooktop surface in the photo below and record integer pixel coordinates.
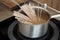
(52, 34)
(9, 31)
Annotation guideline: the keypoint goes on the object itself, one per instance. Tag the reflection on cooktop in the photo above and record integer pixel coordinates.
(4, 28)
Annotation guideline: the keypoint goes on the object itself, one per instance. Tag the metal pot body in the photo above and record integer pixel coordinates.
(33, 31)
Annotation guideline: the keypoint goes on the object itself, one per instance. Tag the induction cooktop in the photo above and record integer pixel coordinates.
(9, 31)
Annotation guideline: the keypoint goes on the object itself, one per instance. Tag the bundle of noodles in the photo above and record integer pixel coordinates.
(31, 17)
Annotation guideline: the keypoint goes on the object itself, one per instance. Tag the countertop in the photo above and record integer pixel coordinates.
(5, 13)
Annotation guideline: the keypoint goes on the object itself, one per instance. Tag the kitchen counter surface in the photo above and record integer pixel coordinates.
(4, 13)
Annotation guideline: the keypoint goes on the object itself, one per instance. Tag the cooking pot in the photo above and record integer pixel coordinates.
(36, 30)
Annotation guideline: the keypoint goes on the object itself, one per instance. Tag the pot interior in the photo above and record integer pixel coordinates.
(44, 16)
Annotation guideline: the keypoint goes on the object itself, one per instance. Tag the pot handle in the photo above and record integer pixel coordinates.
(55, 16)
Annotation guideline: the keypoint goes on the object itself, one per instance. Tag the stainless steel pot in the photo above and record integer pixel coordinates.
(37, 30)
